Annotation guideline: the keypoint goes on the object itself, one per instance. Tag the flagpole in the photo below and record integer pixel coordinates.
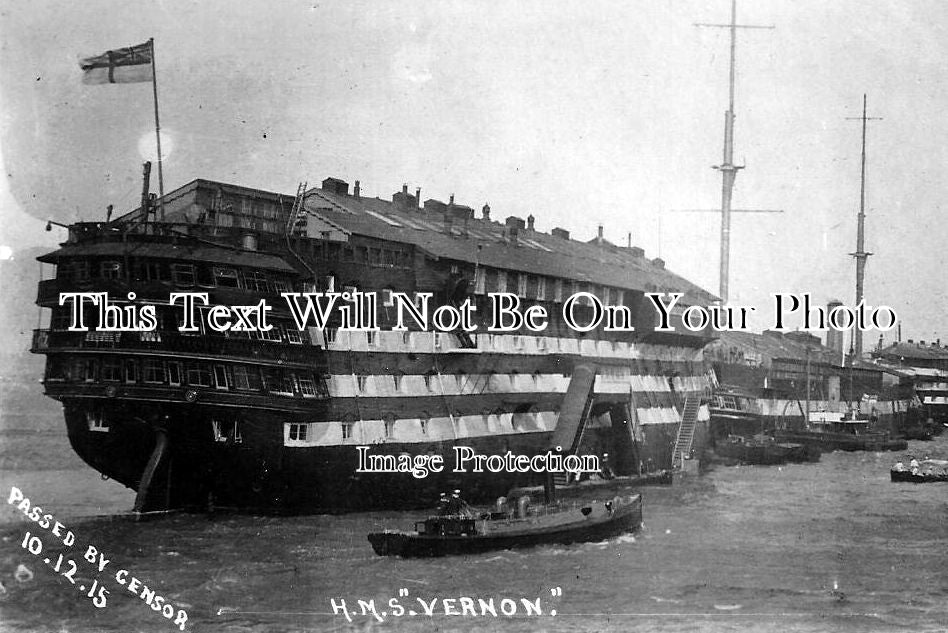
(161, 180)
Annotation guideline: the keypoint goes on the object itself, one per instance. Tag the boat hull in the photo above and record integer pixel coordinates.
(624, 519)
(907, 476)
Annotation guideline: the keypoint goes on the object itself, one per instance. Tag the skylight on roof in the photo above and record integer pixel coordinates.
(381, 217)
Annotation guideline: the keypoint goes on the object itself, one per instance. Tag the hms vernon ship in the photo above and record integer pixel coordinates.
(272, 420)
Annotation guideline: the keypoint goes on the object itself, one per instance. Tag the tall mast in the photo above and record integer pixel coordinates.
(727, 168)
(861, 255)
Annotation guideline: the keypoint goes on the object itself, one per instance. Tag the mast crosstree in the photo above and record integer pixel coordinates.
(727, 168)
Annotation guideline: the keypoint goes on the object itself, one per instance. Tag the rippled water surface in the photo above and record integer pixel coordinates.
(737, 549)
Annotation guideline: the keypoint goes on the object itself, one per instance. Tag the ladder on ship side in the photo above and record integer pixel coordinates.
(296, 220)
(686, 430)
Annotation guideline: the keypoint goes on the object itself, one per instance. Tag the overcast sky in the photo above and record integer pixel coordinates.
(577, 112)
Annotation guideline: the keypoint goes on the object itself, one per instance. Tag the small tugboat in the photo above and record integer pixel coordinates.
(924, 472)
(466, 532)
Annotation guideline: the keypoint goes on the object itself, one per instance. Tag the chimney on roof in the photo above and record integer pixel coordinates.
(337, 186)
(629, 241)
(357, 189)
(405, 188)
(485, 212)
(530, 221)
(418, 196)
(514, 226)
(921, 342)
(910, 341)
(599, 237)
(659, 262)
(563, 234)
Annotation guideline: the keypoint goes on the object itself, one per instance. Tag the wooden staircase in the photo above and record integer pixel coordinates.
(686, 430)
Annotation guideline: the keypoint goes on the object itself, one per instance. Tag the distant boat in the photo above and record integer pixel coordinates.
(524, 527)
(832, 431)
(764, 450)
(738, 432)
(929, 471)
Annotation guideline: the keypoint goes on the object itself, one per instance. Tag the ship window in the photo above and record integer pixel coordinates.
(226, 277)
(480, 281)
(620, 297)
(246, 378)
(220, 377)
(89, 367)
(536, 377)
(273, 335)
(330, 333)
(372, 338)
(255, 281)
(307, 386)
(198, 375)
(293, 335)
(96, 421)
(428, 381)
(522, 285)
(347, 430)
(423, 422)
(111, 370)
(558, 290)
(280, 285)
(406, 339)
(362, 381)
(110, 270)
(501, 281)
(438, 340)
(149, 271)
(397, 379)
(153, 371)
(226, 431)
(131, 371)
(387, 300)
(174, 373)
(182, 275)
(541, 289)
(277, 382)
(298, 432)
(389, 426)
(460, 377)
(513, 379)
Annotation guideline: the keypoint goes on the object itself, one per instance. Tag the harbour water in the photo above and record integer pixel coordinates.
(832, 546)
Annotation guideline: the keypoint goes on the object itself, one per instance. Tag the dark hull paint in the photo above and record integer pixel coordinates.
(627, 517)
(843, 441)
(260, 474)
(906, 476)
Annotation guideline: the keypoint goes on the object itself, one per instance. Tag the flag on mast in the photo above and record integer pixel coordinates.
(120, 66)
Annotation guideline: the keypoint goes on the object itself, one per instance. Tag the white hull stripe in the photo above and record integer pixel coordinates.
(414, 385)
(519, 344)
(450, 428)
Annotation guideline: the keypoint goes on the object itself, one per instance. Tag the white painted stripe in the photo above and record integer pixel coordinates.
(516, 344)
(465, 427)
(414, 385)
